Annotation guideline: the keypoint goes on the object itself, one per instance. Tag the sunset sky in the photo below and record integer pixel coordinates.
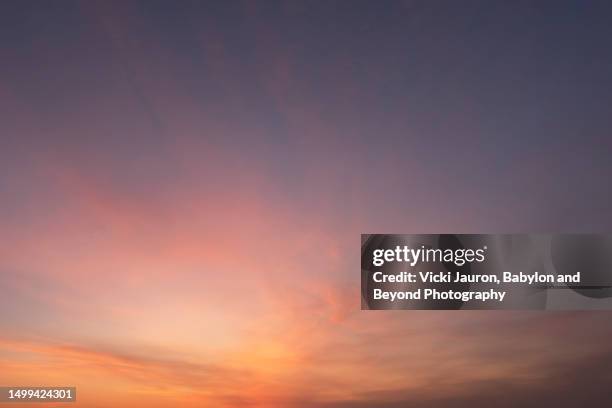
(183, 185)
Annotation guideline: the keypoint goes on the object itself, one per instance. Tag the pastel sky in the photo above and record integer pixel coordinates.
(183, 186)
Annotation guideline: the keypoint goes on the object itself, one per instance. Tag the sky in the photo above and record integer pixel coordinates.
(183, 186)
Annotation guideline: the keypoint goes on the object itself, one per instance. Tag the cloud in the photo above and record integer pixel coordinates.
(153, 372)
(581, 382)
